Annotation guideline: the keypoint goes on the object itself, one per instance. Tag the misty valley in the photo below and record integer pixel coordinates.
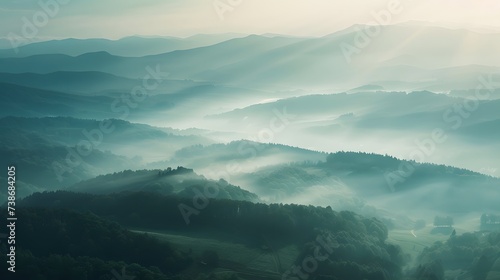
(234, 156)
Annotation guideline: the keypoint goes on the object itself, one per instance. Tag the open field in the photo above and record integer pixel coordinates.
(248, 262)
(413, 242)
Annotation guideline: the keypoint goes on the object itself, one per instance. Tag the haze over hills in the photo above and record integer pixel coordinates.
(71, 82)
(181, 181)
(248, 164)
(379, 181)
(313, 63)
(110, 135)
(128, 46)
(209, 146)
(391, 118)
(184, 104)
(384, 122)
(58, 151)
(93, 83)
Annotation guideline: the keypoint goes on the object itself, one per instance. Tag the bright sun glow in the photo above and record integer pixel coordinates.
(115, 19)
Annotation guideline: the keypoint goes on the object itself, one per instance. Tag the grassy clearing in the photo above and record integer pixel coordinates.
(414, 245)
(234, 256)
(424, 238)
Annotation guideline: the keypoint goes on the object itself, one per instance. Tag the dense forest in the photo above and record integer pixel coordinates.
(63, 244)
(477, 253)
(87, 235)
(112, 227)
(355, 246)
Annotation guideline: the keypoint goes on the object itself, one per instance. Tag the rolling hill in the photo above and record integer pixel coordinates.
(348, 180)
(395, 123)
(59, 151)
(180, 181)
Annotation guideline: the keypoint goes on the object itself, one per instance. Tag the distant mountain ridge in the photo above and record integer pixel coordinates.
(421, 62)
(129, 46)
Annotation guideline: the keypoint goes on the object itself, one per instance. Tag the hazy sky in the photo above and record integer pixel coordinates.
(119, 18)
